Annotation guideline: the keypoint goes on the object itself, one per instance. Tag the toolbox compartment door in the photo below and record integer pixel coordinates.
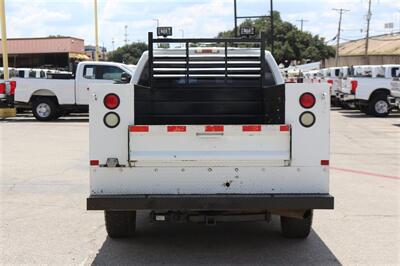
(209, 145)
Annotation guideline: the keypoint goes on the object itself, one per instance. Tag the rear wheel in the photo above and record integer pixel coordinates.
(45, 109)
(379, 106)
(120, 224)
(297, 228)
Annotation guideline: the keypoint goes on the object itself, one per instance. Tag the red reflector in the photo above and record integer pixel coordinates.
(176, 128)
(214, 129)
(111, 101)
(251, 128)
(2, 88)
(139, 128)
(94, 162)
(284, 128)
(324, 162)
(13, 85)
(307, 100)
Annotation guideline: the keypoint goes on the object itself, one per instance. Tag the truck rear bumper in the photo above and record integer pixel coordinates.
(211, 202)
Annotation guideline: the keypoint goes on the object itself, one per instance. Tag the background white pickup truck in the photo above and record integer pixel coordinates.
(51, 98)
(369, 88)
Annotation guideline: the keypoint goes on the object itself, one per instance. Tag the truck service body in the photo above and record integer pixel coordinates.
(202, 134)
(50, 98)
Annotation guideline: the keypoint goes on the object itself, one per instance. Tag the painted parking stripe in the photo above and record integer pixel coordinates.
(365, 173)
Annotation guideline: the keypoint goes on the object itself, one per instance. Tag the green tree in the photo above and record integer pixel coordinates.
(290, 42)
(128, 54)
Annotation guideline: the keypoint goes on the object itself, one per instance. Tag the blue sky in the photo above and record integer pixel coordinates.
(198, 18)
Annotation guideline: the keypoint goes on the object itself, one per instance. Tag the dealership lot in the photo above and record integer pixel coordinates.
(44, 185)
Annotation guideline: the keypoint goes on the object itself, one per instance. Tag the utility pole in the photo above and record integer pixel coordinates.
(235, 10)
(4, 39)
(369, 15)
(301, 23)
(126, 35)
(341, 11)
(272, 27)
(96, 29)
(113, 42)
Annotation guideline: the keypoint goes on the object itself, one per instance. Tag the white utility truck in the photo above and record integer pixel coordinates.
(334, 77)
(394, 97)
(50, 98)
(369, 87)
(209, 135)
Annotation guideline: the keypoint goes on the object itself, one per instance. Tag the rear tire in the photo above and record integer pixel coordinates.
(379, 106)
(297, 228)
(120, 224)
(45, 109)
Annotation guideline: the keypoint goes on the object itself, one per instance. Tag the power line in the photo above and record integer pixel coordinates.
(301, 23)
(341, 11)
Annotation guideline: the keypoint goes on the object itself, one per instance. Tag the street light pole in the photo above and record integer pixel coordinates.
(4, 39)
(158, 21)
(96, 29)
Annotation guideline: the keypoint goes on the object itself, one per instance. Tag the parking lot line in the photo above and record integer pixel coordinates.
(365, 173)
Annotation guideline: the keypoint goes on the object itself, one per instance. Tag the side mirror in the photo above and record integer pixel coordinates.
(125, 77)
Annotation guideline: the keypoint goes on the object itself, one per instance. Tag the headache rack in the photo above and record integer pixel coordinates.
(217, 65)
(203, 85)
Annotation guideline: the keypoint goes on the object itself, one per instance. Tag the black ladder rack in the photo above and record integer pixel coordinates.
(216, 65)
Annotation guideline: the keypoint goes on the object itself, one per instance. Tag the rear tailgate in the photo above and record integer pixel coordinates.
(209, 145)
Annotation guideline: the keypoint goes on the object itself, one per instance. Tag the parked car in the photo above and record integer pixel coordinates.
(51, 98)
(369, 87)
(221, 139)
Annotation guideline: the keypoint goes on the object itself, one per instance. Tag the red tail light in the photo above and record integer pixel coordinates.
(111, 101)
(2, 88)
(13, 85)
(307, 100)
(354, 85)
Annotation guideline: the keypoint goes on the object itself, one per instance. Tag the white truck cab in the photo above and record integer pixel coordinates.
(51, 98)
(206, 135)
(369, 87)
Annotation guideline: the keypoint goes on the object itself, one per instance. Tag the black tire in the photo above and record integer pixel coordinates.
(297, 228)
(120, 224)
(49, 110)
(378, 105)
